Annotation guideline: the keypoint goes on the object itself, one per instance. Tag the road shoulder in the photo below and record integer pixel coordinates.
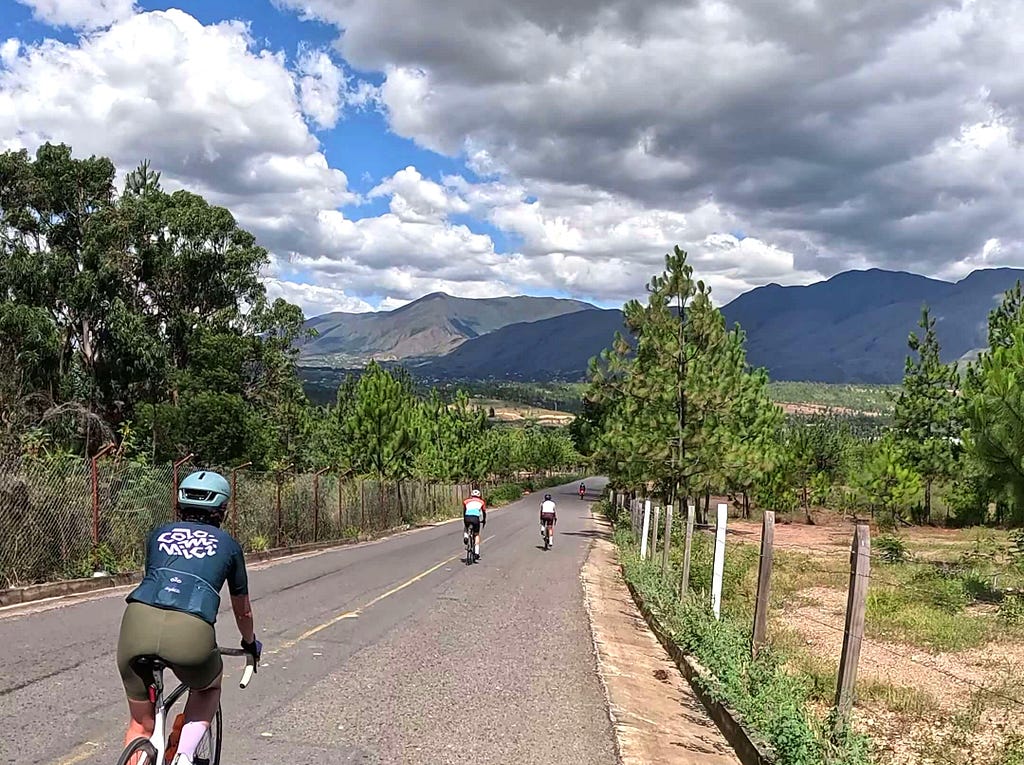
(656, 716)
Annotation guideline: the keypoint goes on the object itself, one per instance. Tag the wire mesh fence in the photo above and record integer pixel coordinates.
(66, 518)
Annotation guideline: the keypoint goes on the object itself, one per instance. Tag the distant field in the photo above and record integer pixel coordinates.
(842, 397)
(563, 399)
(513, 413)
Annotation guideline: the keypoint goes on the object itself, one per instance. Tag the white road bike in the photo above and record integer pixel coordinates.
(152, 750)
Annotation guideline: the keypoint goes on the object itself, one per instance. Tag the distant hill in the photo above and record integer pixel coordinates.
(854, 326)
(557, 348)
(851, 328)
(431, 326)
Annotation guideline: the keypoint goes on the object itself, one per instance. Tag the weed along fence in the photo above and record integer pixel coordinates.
(708, 595)
(69, 518)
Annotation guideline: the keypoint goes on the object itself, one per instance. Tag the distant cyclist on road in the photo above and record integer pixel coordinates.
(171, 614)
(583, 491)
(474, 515)
(548, 517)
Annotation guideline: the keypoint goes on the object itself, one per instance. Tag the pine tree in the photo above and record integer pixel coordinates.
(681, 413)
(380, 427)
(925, 418)
(995, 414)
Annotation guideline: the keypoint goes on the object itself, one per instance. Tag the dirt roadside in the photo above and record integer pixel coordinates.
(656, 716)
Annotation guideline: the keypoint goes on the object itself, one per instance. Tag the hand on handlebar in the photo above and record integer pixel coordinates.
(254, 649)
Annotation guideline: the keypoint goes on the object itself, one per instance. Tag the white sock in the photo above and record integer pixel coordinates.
(477, 549)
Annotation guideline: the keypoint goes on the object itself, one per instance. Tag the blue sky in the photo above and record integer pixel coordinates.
(385, 149)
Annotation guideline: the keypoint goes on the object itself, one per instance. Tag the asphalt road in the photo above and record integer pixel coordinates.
(389, 652)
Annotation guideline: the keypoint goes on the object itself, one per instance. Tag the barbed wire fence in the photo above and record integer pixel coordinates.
(68, 517)
(686, 556)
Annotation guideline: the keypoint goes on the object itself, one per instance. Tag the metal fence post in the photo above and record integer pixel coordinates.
(234, 497)
(316, 503)
(280, 518)
(342, 475)
(174, 485)
(96, 491)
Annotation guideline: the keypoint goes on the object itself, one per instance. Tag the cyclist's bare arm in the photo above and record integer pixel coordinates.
(243, 617)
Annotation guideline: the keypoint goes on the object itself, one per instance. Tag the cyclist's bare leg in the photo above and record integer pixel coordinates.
(476, 541)
(199, 711)
(143, 714)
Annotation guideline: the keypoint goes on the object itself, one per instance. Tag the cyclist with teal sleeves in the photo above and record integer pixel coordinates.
(474, 515)
(171, 614)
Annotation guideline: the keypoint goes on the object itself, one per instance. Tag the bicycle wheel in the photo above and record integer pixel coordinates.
(208, 751)
(139, 752)
(547, 538)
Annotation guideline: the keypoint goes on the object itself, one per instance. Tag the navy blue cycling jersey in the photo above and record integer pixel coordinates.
(187, 563)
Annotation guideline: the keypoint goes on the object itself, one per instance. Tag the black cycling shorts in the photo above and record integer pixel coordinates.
(548, 518)
(472, 523)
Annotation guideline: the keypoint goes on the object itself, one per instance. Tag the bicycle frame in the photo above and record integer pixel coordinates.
(164, 705)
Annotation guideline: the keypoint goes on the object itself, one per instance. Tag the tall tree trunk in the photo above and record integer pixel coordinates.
(928, 500)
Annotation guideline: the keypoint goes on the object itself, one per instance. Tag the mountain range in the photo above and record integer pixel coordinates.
(850, 328)
(431, 326)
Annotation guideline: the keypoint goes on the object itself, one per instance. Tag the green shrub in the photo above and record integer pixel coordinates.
(1011, 610)
(503, 494)
(773, 701)
(892, 549)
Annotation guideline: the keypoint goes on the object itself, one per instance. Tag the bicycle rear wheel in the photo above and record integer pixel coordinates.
(208, 751)
(139, 752)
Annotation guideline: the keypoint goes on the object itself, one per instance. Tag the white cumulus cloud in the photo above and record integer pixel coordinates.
(81, 14)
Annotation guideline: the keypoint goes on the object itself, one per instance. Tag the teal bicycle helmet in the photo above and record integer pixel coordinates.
(204, 494)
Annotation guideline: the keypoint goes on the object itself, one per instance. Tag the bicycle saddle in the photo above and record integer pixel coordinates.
(149, 663)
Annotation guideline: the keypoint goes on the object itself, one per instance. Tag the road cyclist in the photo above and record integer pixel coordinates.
(474, 517)
(548, 519)
(170, 616)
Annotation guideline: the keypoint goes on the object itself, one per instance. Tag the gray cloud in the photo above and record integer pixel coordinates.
(835, 130)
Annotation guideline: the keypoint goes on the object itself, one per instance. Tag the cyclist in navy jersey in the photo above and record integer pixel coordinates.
(171, 614)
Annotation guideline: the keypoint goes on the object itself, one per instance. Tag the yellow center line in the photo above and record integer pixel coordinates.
(79, 754)
(358, 612)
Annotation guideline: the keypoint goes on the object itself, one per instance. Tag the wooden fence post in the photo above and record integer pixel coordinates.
(856, 604)
(684, 580)
(647, 528)
(718, 570)
(666, 545)
(764, 580)
(655, 525)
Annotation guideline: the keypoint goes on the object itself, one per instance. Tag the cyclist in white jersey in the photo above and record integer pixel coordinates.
(548, 517)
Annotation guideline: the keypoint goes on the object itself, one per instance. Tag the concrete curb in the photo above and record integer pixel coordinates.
(749, 747)
(18, 595)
